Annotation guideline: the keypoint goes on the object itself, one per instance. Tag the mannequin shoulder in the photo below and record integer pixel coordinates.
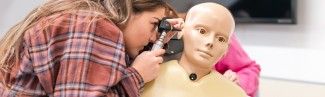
(216, 81)
(170, 65)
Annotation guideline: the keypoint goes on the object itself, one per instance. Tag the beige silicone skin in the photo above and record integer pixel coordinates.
(173, 81)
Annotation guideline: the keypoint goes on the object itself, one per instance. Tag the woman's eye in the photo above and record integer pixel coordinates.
(221, 39)
(202, 31)
(155, 26)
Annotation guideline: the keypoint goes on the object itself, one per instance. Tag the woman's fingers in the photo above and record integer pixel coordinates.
(177, 23)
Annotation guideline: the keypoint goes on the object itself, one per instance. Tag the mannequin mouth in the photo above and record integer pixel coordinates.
(205, 52)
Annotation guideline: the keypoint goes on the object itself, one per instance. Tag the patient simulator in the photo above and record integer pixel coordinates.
(206, 33)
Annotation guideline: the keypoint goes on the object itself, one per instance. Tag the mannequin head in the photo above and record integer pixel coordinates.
(206, 34)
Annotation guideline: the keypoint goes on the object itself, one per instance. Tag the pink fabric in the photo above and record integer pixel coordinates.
(238, 61)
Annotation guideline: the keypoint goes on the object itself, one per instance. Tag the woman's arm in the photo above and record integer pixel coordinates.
(247, 70)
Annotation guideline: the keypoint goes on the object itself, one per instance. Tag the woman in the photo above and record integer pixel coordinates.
(83, 48)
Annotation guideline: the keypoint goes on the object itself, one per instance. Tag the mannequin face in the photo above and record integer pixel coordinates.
(206, 35)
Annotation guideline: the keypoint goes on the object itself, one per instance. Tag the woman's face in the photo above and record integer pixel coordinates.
(141, 29)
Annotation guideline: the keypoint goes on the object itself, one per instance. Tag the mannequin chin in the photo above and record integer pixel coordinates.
(206, 34)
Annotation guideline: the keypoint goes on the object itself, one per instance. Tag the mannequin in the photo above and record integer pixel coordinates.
(206, 33)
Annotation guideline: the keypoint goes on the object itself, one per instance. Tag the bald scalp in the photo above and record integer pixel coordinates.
(221, 13)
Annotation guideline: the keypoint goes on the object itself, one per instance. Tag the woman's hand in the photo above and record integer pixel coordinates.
(232, 76)
(177, 23)
(148, 64)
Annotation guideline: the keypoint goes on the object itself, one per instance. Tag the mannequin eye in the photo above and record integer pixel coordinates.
(202, 31)
(221, 39)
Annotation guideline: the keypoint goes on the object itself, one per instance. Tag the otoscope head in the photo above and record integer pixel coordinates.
(163, 25)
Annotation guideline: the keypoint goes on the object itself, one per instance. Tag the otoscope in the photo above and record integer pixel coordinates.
(163, 28)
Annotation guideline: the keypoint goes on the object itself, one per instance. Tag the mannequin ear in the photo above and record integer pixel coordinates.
(180, 34)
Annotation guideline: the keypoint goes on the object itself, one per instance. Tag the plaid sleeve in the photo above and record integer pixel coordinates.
(77, 56)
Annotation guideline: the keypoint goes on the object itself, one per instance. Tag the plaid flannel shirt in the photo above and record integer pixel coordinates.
(76, 55)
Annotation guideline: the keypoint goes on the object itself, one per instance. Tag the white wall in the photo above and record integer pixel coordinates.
(13, 11)
(294, 52)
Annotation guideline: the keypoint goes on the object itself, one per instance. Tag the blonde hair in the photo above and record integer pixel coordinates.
(118, 11)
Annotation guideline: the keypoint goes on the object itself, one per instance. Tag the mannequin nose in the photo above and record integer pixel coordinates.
(209, 41)
(209, 45)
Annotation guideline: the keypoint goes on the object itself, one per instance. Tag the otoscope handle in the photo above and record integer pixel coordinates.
(160, 42)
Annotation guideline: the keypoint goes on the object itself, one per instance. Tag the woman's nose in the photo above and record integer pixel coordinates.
(153, 37)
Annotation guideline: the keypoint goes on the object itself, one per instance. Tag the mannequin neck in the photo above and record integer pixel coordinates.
(191, 67)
